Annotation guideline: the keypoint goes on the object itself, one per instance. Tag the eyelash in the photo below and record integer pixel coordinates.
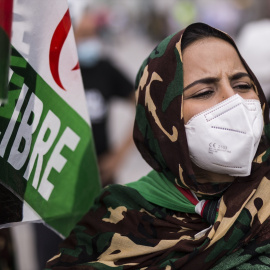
(245, 86)
(208, 93)
(204, 94)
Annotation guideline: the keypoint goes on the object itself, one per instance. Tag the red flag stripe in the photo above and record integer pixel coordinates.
(206, 202)
(6, 7)
(188, 195)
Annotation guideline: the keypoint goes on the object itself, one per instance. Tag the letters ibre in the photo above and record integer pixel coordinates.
(45, 139)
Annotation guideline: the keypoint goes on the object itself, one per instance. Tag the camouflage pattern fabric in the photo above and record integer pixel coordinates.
(125, 231)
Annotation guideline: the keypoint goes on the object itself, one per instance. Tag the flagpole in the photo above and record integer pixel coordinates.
(6, 7)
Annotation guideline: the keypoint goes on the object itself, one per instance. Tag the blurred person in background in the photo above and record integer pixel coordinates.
(103, 81)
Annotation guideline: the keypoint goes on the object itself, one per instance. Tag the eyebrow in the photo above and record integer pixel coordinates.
(239, 75)
(209, 80)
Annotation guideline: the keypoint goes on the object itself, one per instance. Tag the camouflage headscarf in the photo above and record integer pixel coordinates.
(123, 230)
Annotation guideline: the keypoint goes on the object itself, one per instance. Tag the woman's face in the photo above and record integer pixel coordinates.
(213, 72)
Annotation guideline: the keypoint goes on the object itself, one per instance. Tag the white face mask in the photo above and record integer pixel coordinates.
(225, 138)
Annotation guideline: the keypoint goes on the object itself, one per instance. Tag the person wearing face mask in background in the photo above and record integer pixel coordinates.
(202, 123)
(102, 82)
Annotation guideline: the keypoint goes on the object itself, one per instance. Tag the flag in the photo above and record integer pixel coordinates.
(5, 33)
(47, 157)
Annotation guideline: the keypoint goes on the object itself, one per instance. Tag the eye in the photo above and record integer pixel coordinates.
(243, 86)
(203, 95)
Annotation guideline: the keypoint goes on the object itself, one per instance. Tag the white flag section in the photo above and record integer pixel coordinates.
(47, 158)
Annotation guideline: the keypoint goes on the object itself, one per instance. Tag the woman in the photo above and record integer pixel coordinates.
(199, 120)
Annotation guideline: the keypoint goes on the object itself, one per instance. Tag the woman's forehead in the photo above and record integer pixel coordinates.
(210, 47)
(211, 55)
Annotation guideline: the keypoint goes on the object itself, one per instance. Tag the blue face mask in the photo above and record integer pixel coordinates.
(89, 52)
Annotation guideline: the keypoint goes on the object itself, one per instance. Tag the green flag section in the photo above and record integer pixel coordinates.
(5, 31)
(47, 157)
